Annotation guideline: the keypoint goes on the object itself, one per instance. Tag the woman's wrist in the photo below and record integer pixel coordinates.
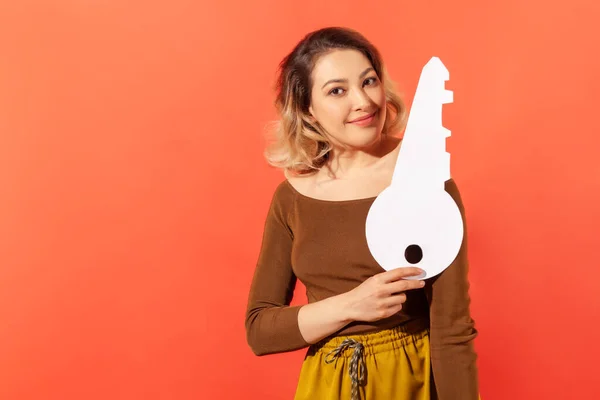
(343, 305)
(322, 318)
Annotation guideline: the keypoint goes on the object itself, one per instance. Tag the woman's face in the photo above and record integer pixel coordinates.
(345, 90)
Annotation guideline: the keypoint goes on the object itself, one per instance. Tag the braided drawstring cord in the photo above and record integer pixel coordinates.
(357, 363)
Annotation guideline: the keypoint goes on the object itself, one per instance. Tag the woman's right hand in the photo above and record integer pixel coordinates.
(381, 295)
(378, 297)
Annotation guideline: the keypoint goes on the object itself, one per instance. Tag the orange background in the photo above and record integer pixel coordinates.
(133, 190)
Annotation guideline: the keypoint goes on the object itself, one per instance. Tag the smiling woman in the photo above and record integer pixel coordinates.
(369, 332)
(341, 67)
(342, 106)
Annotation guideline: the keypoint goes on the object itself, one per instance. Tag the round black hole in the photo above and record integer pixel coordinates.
(413, 254)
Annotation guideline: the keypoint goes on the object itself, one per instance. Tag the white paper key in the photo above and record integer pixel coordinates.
(414, 221)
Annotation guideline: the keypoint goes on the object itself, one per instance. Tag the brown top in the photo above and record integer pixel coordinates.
(322, 243)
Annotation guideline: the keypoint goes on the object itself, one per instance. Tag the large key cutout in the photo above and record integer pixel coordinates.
(414, 221)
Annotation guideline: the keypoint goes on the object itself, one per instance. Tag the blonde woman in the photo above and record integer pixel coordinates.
(369, 333)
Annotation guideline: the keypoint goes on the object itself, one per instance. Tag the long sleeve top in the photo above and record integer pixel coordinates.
(322, 243)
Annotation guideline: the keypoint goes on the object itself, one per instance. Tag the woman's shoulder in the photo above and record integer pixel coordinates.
(285, 192)
(297, 183)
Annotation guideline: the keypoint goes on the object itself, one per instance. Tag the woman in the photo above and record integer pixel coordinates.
(369, 332)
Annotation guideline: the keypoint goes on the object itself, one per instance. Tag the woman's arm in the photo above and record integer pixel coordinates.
(271, 324)
(322, 318)
(452, 329)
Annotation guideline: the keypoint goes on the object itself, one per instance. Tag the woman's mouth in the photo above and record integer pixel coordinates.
(364, 120)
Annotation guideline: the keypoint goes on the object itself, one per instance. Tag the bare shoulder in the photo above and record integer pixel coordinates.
(302, 183)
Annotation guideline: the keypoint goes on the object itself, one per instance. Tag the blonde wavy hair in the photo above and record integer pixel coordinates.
(298, 145)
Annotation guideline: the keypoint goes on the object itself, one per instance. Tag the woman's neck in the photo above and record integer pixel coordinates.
(352, 163)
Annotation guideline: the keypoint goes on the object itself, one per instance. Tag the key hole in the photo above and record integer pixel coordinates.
(413, 254)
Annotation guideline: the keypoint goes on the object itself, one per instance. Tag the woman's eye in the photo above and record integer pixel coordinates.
(336, 91)
(371, 81)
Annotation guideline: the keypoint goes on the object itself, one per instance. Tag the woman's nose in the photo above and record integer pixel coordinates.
(360, 99)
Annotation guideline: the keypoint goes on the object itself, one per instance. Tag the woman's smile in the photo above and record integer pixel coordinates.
(365, 120)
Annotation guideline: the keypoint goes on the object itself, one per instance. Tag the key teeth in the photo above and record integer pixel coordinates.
(447, 97)
(447, 132)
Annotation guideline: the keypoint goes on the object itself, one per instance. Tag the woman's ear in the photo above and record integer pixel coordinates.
(311, 116)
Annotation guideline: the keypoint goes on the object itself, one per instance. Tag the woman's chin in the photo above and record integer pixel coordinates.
(366, 141)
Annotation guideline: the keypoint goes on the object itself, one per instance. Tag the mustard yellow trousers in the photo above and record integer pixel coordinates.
(386, 365)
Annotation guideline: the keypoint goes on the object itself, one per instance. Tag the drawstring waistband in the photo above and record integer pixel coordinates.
(357, 367)
(365, 345)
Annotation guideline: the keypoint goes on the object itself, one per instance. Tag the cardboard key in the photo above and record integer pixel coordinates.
(414, 221)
